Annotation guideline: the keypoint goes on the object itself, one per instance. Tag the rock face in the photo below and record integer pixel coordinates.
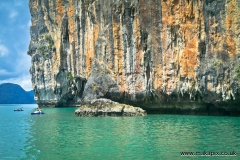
(160, 55)
(106, 107)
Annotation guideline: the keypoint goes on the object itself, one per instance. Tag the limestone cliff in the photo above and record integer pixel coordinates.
(160, 54)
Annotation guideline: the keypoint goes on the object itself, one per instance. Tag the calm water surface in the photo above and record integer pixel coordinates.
(59, 134)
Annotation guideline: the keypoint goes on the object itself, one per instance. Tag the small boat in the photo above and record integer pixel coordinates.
(19, 109)
(37, 112)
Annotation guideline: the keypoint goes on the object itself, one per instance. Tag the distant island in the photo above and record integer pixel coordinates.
(15, 94)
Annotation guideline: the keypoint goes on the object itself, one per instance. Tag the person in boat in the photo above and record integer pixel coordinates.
(39, 110)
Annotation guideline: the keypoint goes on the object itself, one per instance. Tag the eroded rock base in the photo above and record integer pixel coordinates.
(193, 108)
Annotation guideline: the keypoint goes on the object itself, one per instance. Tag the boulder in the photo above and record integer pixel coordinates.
(106, 107)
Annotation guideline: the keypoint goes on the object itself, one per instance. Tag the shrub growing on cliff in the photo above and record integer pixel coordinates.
(49, 40)
(45, 53)
(217, 63)
(53, 48)
(105, 72)
(40, 48)
(237, 71)
(70, 77)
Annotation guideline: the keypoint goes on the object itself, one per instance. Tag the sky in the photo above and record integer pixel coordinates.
(15, 22)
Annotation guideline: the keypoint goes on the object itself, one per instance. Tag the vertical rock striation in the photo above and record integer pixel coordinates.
(162, 55)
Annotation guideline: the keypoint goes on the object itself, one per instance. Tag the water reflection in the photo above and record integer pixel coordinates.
(58, 134)
(148, 137)
(14, 131)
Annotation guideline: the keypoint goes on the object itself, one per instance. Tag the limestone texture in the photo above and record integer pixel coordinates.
(161, 55)
(106, 107)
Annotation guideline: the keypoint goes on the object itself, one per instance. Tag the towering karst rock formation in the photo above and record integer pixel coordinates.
(157, 54)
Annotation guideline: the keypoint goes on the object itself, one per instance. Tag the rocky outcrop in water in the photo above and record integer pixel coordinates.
(155, 54)
(106, 107)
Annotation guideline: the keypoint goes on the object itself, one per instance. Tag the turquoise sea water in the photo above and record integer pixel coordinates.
(59, 134)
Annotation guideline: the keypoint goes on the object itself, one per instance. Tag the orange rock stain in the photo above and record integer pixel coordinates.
(189, 59)
(139, 52)
(118, 53)
(71, 22)
(181, 18)
(60, 11)
(232, 27)
(91, 36)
